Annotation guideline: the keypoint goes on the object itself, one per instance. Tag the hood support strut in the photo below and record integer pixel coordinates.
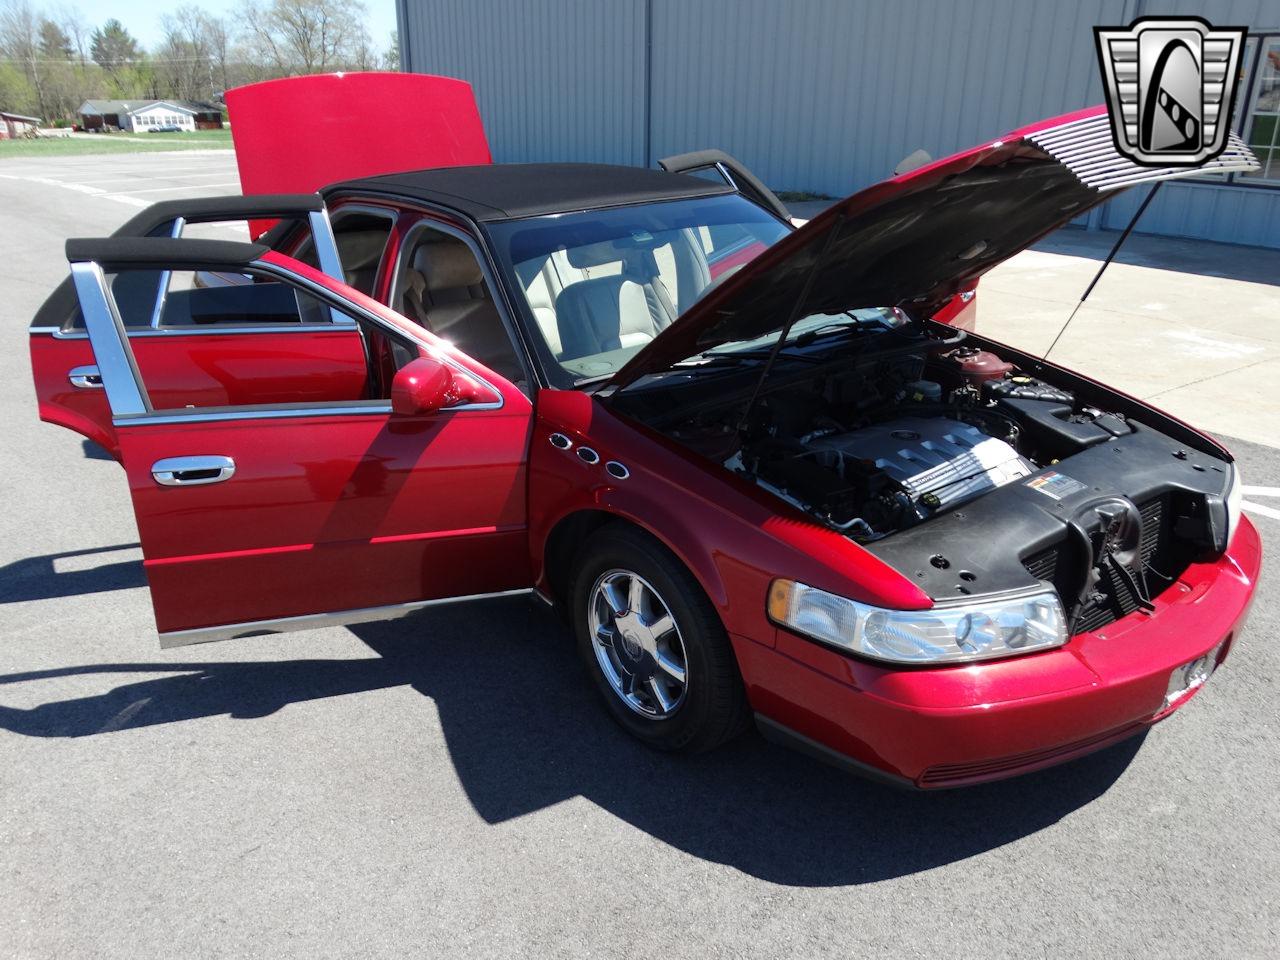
(818, 263)
(1115, 248)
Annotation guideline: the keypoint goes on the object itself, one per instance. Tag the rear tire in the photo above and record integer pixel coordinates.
(653, 644)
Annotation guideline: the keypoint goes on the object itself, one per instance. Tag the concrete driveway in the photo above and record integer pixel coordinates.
(447, 786)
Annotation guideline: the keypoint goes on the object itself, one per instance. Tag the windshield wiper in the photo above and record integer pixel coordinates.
(587, 381)
(710, 359)
(836, 326)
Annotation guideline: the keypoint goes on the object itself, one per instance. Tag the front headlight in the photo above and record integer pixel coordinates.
(1235, 502)
(954, 633)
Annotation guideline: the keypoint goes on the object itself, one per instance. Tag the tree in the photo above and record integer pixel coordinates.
(305, 36)
(113, 47)
(391, 59)
(20, 42)
(219, 37)
(77, 32)
(16, 92)
(54, 42)
(184, 60)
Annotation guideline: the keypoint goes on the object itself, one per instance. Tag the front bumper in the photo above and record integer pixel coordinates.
(961, 725)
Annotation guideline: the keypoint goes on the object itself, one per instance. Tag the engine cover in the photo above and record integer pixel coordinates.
(951, 460)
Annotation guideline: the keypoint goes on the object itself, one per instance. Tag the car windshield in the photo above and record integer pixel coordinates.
(599, 285)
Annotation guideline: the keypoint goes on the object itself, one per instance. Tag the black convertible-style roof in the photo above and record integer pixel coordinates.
(509, 191)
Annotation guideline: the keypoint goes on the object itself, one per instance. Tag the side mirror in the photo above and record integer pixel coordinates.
(422, 386)
(426, 385)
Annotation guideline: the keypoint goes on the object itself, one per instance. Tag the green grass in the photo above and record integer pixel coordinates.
(116, 143)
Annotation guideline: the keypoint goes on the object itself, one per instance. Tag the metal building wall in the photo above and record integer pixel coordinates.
(819, 95)
(829, 95)
(555, 79)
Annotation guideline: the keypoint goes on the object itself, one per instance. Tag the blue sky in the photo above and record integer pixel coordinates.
(142, 17)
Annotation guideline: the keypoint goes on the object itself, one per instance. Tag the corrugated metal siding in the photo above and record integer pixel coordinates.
(555, 79)
(821, 95)
(829, 96)
(1249, 215)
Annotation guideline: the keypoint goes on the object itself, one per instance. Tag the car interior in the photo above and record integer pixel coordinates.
(611, 295)
(361, 237)
(442, 287)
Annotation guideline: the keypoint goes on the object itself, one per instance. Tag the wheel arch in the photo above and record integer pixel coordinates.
(568, 533)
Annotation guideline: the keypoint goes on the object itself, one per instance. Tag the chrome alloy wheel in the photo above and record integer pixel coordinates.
(637, 643)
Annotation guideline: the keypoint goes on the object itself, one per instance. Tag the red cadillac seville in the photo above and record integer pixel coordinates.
(752, 470)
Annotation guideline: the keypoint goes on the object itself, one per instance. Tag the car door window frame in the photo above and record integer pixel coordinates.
(341, 208)
(414, 220)
(318, 226)
(127, 394)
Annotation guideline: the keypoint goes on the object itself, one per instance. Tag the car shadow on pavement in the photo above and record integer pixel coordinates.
(524, 732)
(82, 572)
(93, 451)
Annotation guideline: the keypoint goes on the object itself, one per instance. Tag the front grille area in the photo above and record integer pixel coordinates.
(1161, 567)
(1043, 565)
(955, 774)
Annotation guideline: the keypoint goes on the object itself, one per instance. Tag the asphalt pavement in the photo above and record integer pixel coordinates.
(446, 785)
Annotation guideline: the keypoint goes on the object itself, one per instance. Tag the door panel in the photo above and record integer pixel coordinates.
(330, 513)
(202, 370)
(253, 516)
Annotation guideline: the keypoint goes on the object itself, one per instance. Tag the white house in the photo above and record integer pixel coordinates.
(159, 113)
(143, 115)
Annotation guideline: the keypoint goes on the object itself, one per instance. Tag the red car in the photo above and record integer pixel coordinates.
(901, 546)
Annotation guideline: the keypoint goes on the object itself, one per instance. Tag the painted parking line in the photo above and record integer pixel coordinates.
(126, 198)
(1261, 511)
(1249, 491)
(1258, 508)
(181, 186)
(134, 179)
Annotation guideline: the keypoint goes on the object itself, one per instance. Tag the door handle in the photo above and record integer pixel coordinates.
(86, 378)
(192, 471)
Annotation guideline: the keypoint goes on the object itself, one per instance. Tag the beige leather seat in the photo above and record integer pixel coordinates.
(445, 291)
(627, 309)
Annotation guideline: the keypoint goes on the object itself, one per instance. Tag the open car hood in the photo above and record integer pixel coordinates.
(916, 240)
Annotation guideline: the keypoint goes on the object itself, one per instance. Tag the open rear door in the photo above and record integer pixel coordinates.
(323, 507)
(156, 309)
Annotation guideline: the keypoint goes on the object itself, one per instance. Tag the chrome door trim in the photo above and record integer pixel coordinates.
(346, 326)
(106, 332)
(220, 414)
(326, 246)
(315, 621)
(162, 293)
(85, 378)
(170, 471)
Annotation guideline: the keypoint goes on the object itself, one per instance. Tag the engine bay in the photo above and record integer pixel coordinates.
(890, 442)
(967, 467)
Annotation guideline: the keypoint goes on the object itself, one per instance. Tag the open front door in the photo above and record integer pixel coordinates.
(175, 327)
(259, 517)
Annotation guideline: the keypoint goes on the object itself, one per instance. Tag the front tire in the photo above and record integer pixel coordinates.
(654, 645)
